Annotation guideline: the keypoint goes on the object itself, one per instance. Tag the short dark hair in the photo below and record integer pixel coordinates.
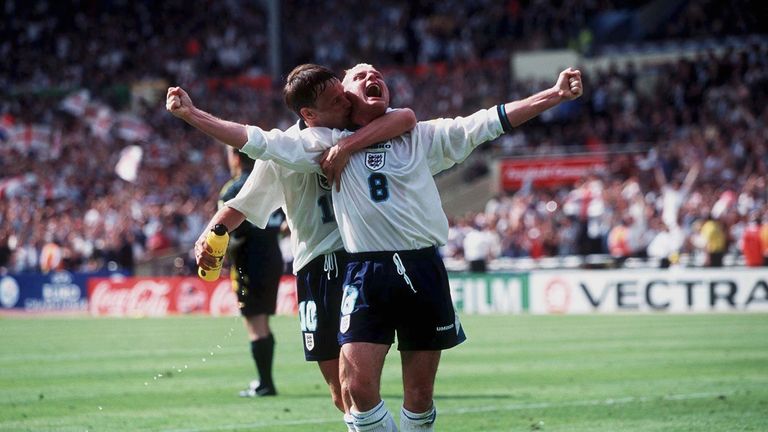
(304, 84)
(245, 161)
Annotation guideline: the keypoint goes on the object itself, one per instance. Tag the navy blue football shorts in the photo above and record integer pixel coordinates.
(404, 293)
(318, 289)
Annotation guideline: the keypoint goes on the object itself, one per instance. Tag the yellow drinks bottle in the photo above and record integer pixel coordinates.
(217, 239)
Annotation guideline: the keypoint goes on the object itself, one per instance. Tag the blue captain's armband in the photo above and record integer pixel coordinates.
(505, 124)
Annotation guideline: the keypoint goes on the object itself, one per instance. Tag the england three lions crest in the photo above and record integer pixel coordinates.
(375, 160)
(323, 182)
(309, 341)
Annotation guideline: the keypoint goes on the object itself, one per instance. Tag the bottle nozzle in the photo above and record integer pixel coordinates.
(219, 229)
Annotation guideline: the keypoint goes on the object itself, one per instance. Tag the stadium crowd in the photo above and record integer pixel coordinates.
(63, 205)
(695, 184)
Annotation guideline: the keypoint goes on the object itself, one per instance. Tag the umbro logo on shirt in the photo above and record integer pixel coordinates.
(380, 146)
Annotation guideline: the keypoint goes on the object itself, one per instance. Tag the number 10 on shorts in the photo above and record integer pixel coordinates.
(308, 316)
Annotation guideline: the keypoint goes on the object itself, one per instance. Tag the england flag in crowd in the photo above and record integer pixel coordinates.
(27, 137)
(132, 128)
(76, 103)
(100, 119)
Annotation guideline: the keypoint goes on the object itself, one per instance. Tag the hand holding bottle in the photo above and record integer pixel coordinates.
(215, 246)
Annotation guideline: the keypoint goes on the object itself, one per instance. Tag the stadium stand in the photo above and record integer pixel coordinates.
(74, 105)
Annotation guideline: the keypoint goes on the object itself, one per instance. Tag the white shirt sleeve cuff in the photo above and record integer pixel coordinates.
(256, 145)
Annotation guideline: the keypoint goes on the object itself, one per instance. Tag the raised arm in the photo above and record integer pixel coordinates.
(452, 140)
(567, 87)
(297, 151)
(691, 177)
(658, 173)
(390, 125)
(179, 104)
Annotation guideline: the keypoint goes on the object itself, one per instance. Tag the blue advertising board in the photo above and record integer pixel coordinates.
(53, 292)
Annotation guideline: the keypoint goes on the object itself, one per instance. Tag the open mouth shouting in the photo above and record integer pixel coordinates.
(373, 90)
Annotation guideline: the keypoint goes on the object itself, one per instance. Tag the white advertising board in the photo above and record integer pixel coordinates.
(651, 290)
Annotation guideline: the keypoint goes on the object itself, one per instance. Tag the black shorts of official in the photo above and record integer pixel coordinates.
(255, 279)
(404, 293)
(318, 290)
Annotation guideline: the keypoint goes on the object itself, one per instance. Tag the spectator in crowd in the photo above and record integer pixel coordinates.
(751, 245)
(709, 108)
(764, 238)
(481, 245)
(714, 241)
(5, 251)
(51, 256)
(662, 245)
(621, 245)
(674, 193)
(586, 203)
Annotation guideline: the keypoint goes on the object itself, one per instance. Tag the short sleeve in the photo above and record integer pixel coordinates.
(261, 194)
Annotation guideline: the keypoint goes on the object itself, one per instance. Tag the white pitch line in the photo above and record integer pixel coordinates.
(510, 407)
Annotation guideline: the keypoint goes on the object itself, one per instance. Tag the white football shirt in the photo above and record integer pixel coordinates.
(388, 199)
(305, 199)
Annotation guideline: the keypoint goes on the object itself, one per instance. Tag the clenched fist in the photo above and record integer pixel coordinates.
(569, 84)
(178, 103)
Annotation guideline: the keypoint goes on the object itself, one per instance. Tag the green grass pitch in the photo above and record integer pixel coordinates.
(515, 373)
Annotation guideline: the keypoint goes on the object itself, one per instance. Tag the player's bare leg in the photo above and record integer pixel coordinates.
(361, 365)
(419, 371)
(330, 371)
(263, 350)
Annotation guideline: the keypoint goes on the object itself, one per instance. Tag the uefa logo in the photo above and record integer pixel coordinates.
(9, 292)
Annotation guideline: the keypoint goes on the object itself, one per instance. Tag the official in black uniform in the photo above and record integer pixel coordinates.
(256, 266)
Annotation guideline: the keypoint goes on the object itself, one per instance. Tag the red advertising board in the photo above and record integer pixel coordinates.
(548, 171)
(161, 296)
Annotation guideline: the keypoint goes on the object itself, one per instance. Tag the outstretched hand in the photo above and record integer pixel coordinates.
(332, 162)
(178, 103)
(569, 84)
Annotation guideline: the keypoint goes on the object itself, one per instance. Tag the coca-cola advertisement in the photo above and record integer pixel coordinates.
(161, 296)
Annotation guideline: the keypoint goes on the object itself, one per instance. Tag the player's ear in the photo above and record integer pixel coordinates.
(307, 114)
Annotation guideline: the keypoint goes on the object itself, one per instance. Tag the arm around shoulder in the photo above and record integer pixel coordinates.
(390, 125)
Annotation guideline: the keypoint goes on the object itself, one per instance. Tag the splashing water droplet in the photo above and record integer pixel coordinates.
(154, 378)
(146, 383)
(185, 366)
(203, 359)
(159, 375)
(179, 370)
(100, 408)
(211, 352)
(218, 346)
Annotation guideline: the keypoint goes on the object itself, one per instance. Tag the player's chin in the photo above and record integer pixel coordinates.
(377, 102)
